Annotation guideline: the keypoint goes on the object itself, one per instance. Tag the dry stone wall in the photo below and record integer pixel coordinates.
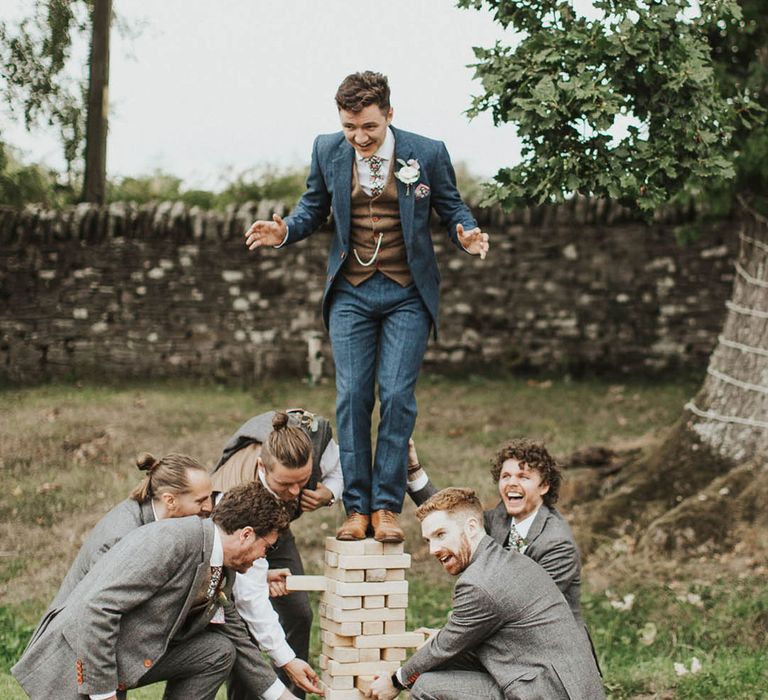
(161, 290)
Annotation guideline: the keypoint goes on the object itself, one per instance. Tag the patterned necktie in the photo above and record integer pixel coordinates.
(213, 586)
(514, 539)
(377, 176)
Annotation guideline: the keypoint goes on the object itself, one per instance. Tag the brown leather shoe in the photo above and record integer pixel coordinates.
(355, 527)
(385, 527)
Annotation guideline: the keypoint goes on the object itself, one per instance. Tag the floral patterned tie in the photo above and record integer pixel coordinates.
(377, 176)
(514, 539)
(216, 578)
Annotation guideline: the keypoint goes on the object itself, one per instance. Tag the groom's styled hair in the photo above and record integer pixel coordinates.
(359, 90)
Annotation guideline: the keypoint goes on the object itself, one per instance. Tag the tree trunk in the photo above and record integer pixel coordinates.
(712, 461)
(95, 181)
(730, 412)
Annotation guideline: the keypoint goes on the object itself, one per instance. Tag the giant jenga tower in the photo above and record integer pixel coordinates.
(362, 614)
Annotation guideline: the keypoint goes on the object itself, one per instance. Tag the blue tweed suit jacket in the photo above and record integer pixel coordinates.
(329, 190)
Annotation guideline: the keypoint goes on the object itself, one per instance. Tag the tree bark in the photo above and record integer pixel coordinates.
(730, 412)
(95, 181)
(675, 495)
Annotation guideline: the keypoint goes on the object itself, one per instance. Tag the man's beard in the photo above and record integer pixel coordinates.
(460, 559)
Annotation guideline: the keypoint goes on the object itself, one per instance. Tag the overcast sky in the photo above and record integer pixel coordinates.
(209, 89)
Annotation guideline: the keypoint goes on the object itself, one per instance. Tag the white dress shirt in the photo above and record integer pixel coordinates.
(251, 590)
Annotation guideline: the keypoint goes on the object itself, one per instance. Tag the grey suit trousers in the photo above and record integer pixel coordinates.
(195, 668)
(455, 685)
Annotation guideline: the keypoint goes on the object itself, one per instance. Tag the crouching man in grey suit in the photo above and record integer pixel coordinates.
(510, 636)
(152, 608)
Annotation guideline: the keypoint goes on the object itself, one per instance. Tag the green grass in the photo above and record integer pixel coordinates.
(66, 456)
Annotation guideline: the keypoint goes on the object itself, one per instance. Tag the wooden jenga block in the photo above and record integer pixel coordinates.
(332, 558)
(346, 588)
(354, 694)
(395, 575)
(305, 583)
(373, 547)
(383, 561)
(335, 640)
(337, 682)
(342, 547)
(377, 575)
(343, 603)
(344, 654)
(349, 576)
(394, 547)
(406, 640)
(375, 601)
(362, 683)
(322, 661)
(362, 614)
(345, 629)
(371, 626)
(394, 627)
(396, 601)
(391, 654)
(371, 668)
(367, 655)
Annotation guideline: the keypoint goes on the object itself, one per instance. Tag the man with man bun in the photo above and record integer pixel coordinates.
(292, 455)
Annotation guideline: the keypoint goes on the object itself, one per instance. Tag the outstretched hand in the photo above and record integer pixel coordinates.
(263, 233)
(474, 241)
(303, 675)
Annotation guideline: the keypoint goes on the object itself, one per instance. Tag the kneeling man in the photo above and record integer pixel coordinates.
(510, 636)
(152, 608)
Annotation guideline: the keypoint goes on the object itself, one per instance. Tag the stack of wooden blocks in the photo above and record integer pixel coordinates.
(362, 614)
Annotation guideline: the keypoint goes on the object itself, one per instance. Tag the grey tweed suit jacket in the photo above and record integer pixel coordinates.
(550, 544)
(509, 613)
(120, 618)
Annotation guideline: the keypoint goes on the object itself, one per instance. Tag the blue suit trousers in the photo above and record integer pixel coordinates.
(379, 332)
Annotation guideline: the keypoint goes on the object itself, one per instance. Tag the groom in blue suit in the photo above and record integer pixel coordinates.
(382, 286)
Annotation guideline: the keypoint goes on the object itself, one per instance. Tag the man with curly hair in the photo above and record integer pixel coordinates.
(528, 479)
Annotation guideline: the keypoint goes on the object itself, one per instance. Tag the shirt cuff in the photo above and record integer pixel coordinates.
(282, 243)
(103, 696)
(282, 655)
(418, 484)
(274, 691)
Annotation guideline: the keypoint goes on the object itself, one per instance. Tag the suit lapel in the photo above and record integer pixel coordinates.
(499, 525)
(405, 196)
(342, 189)
(538, 524)
(201, 573)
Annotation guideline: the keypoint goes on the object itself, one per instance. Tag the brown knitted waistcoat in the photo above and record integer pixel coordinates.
(369, 217)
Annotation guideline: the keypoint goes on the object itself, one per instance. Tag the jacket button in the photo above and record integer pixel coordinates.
(147, 663)
(375, 219)
(121, 686)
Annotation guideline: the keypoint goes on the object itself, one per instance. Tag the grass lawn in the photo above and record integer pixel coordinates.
(66, 457)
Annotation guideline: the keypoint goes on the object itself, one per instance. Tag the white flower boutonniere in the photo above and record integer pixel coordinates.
(409, 173)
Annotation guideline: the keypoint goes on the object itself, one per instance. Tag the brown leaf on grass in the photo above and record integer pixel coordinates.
(48, 486)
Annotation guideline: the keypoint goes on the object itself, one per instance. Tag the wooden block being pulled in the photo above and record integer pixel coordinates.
(305, 583)
(374, 561)
(406, 640)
